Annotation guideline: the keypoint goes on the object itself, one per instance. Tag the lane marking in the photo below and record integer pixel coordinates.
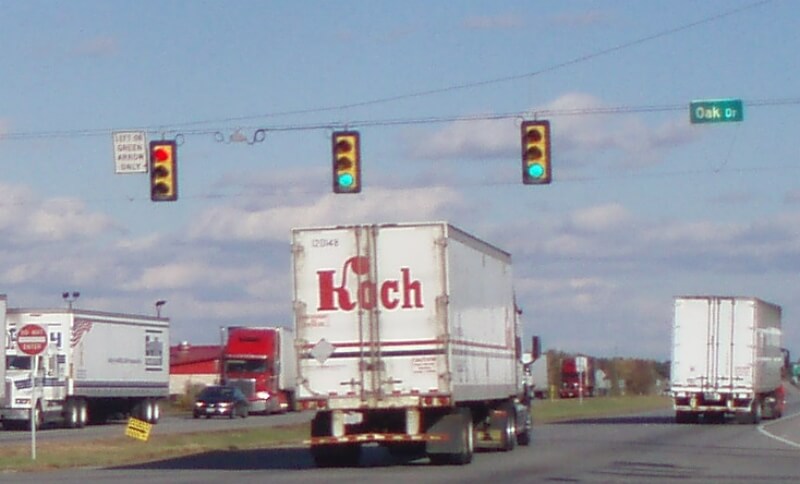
(762, 428)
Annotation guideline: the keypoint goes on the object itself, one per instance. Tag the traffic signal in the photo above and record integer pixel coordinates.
(346, 162)
(163, 171)
(536, 152)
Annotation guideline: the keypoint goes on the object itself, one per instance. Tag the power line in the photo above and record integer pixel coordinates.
(174, 128)
(498, 80)
(366, 123)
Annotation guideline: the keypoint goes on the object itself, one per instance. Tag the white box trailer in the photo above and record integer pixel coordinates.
(96, 365)
(726, 358)
(407, 335)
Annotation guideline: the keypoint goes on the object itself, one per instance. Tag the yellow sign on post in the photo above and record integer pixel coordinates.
(138, 429)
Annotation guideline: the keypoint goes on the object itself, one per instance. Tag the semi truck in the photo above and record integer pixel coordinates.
(95, 366)
(726, 359)
(577, 377)
(408, 336)
(261, 362)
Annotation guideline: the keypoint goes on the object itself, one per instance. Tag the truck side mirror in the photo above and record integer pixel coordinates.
(536, 348)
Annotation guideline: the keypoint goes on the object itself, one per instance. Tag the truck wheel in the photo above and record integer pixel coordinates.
(755, 412)
(83, 412)
(505, 420)
(682, 417)
(524, 435)
(72, 414)
(752, 416)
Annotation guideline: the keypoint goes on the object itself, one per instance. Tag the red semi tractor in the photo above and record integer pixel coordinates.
(577, 377)
(261, 362)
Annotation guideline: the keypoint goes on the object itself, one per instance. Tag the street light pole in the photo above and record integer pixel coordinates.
(70, 298)
(159, 304)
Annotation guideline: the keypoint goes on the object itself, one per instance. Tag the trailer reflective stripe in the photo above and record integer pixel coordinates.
(376, 437)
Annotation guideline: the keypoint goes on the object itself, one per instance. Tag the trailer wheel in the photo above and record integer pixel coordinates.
(156, 412)
(682, 417)
(147, 410)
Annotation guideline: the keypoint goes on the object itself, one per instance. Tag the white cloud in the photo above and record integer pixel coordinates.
(183, 275)
(26, 219)
(467, 140)
(602, 218)
(236, 223)
(633, 142)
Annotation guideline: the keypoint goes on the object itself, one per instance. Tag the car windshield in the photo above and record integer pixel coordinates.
(18, 362)
(247, 366)
(218, 392)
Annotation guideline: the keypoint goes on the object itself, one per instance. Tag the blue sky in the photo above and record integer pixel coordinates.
(643, 206)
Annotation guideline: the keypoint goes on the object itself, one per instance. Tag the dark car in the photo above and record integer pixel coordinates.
(220, 400)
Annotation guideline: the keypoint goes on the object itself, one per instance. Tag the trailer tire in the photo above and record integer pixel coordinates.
(682, 417)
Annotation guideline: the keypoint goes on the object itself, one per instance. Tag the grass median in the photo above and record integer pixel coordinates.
(117, 451)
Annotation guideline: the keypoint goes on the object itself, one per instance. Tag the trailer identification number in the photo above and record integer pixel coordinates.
(325, 243)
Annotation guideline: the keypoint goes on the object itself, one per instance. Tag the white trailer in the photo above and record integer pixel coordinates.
(408, 336)
(540, 377)
(96, 366)
(726, 358)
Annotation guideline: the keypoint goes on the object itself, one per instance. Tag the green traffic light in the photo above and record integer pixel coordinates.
(346, 180)
(535, 170)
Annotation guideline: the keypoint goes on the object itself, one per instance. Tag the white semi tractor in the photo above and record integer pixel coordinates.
(95, 366)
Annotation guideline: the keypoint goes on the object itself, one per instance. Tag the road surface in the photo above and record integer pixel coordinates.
(636, 449)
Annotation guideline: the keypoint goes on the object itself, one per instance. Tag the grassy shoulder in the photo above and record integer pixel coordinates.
(53, 455)
(548, 411)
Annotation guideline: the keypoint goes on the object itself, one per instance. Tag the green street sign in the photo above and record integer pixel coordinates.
(716, 111)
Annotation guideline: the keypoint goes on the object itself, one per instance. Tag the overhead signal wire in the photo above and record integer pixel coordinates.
(173, 128)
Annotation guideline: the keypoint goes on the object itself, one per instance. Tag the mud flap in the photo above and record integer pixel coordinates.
(458, 445)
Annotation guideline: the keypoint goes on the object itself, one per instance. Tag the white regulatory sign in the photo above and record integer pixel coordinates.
(130, 151)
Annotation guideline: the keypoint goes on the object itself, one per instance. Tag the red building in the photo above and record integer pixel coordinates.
(193, 365)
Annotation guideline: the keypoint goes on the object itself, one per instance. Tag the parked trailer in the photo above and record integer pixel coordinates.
(96, 366)
(261, 361)
(408, 336)
(726, 358)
